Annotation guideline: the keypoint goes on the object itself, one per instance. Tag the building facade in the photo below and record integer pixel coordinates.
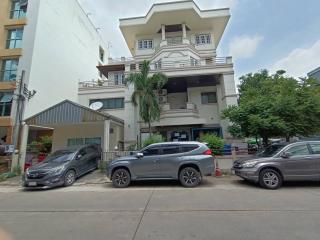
(315, 74)
(55, 44)
(180, 40)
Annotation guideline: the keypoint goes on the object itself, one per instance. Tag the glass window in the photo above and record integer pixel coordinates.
(171, 149)
(145, 44)
(151, 151)
(5, 103)
(14, 39)
(101, 54)
(92, 149)
(9, 70)
(298, 150)
(118, 78)
(188, 148)
(110, 103)
(75, 141)
(315, 148)
(203, 39)
(208, 97)
(18, 9)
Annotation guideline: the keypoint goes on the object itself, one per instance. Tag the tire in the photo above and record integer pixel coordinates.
(121, 178)
(69, 178)
(270, 179)
(189, 177)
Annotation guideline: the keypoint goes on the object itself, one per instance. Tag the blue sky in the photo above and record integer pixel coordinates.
(272, 34)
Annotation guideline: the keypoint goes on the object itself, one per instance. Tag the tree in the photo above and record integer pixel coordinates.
(275, 105)
(145, 87)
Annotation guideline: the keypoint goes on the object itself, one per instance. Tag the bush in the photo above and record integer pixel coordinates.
(155, 138)
(214, 142)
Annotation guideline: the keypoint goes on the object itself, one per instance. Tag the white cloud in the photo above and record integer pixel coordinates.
(299, 61)
(244, 46)
(106, 13)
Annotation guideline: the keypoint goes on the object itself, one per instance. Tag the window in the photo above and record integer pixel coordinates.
(9, 70)
(18, 9)
(92, 149)
(151, 151)
(203, 39)
(14, 39)
(208, 97)
(188, 148)
(298, 150)
(145, 44)
(96, 141)
(193, 61)
(5, 103)
(101, 54)
(118, 78)
(173, 149)
(75, 141)
(110, 103)
(315, 148)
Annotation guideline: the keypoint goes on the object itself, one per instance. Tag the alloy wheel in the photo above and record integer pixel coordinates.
(270, 179)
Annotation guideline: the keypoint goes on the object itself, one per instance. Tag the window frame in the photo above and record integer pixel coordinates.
(206, 94)
(10, 70)
(144, 44)
(15, 40)
(203, 39)
(6, 107)
(16, 12)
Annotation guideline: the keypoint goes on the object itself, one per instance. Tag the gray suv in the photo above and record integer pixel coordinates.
(187, 162)
(282, 162)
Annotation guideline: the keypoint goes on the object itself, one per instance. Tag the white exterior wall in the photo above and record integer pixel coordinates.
(66, 51)
(208, 111)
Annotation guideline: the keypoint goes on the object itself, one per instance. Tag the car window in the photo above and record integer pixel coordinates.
(172, 149)
(82, 152)
(315, 148)
(151, 151)
(188, 148)
(91, 149)
(298, 150)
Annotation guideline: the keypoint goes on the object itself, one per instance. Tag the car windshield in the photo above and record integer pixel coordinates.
(270, 151)
(60, 156)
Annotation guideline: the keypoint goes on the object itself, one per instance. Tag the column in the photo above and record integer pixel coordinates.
(184, 31)
(106, 135)
(23, 146)
(163, 32)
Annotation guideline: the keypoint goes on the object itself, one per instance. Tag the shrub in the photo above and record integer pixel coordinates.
(214, 142)
(155, 138)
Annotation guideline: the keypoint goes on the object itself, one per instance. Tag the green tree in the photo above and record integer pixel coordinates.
(214, 142)
(155, 138)
(275, 105)
(145, 86)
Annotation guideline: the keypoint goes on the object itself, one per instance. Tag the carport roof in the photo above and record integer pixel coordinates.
(68, 112)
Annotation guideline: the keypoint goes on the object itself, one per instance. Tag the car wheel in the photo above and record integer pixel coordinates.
(69, 178)
(189, 177)
(270, 179)
(121, 178)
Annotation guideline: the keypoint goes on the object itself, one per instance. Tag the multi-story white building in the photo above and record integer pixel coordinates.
(180, 40)
(55, 44)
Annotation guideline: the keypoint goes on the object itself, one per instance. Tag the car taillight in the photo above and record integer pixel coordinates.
(207, 152)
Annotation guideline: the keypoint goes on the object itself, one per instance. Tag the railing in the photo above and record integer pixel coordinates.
(100, 83)
(120, 60)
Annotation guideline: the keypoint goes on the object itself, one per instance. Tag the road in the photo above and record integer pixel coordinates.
(220, 209)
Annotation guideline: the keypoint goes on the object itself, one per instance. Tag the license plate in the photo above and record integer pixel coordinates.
(32, 184)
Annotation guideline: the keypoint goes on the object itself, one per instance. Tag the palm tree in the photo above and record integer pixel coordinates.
(144, 93)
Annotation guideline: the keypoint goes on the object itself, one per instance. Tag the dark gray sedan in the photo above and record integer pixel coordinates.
(282, 162)
(62, 167)
(187, 162)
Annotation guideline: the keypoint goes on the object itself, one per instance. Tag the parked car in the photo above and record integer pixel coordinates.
(187, 162)
(282, 162)
(62, 167)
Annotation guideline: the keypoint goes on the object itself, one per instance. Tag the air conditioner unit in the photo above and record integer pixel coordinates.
(162, 99)
(162, 92)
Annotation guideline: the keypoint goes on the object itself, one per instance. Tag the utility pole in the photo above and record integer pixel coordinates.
(20, 98)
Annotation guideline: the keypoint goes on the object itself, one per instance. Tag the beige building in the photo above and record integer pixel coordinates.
(180, 40)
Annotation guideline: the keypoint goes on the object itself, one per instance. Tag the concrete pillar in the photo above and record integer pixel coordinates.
(163, 32)
(106, 135)
(23, 146)
(184, 31)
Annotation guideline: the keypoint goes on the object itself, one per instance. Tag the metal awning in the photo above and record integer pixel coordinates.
(68, 112)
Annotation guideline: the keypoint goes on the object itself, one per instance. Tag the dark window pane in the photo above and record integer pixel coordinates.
(315, 148)
(188, 148)
(298, 150)
(151, 151)
(170, 150)
(209, 97)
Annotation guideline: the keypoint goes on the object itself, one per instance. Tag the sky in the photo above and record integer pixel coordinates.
(261, 34)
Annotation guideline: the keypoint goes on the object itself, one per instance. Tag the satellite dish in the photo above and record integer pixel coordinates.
(96, 105)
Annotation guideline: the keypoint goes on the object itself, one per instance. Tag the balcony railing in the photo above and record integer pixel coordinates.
(188, 107)
(100, 83)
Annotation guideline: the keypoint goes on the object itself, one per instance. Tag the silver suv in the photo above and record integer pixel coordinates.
(187, 162)
(282, 162)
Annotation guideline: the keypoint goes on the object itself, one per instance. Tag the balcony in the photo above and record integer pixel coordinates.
(100, 84)
(182, 116)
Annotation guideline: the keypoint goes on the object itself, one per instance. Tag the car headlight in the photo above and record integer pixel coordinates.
(57, 170)
(249, 164)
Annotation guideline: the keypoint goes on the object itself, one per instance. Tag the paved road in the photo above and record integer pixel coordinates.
(219, 209)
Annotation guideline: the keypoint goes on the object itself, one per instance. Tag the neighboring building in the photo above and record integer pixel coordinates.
(315, 74)
(55, 44)
(180, 40)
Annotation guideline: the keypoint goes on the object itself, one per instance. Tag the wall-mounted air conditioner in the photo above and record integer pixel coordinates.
(162, 92)
(162, 99)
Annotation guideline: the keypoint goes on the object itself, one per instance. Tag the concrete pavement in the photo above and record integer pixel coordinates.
(225, 208)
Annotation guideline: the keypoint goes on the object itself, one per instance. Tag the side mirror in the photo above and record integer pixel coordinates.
(79, 156)
(139, 155)
(285, 155)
